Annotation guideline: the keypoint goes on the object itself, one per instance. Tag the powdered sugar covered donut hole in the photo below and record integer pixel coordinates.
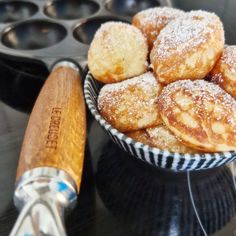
(188, 47)
(153, 20)
(117, 52)
(131, 104)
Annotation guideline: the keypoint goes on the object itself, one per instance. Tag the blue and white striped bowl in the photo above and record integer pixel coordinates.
(153, 156)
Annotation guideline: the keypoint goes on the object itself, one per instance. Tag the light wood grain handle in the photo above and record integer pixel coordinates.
(56, 132)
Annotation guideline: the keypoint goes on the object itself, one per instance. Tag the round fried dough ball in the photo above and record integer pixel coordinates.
(117, 52)
(131, 104)
(201, 114)
(188, 47)
(153, 20)
(140, 136)
(160, 137)
(224, 72)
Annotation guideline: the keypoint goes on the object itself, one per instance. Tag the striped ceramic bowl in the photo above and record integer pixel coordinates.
(153, 156)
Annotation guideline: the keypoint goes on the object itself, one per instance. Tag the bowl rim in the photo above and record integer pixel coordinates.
(146, 148)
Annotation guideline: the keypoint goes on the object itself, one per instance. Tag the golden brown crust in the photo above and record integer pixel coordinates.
(131, 104)
(160, 137)
(140, 136)
(153, 20)
(201, 114)
(118, 51)
(188, 47)
(224, 72)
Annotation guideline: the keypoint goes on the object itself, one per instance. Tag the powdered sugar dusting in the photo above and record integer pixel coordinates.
(130, 32)
(146, 82)
(208, 123)
(200, 90)
(229, 57)
(187, 31)
(158, 15)
(162, 138)
(131, 104)
(161, 131)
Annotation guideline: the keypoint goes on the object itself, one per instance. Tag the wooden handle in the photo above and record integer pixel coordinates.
(56, 132)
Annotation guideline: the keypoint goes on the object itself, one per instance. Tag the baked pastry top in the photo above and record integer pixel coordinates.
(153, 20)
(131, 104)
(118, 51)
(188, 47)
(160, 137)
(224, 72)
(200, 113)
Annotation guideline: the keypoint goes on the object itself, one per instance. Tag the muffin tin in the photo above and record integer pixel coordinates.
(51, 30)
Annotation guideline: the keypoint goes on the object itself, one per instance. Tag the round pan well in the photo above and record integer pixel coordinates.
(35, 34)
(11, 11)
(130, 7)
(71, 9)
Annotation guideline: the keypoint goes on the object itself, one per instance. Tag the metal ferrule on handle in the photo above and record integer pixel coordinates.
(43, 194)
(65, 63)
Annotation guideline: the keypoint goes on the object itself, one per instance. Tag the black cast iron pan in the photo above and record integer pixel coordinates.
(26, 47)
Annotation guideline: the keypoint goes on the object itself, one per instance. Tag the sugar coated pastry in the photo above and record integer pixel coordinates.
(224, 72)
(153, 20)
(199, 113)
(140, 136)
(117, 52)
(161, 137)
(188, 47)
(131, 104)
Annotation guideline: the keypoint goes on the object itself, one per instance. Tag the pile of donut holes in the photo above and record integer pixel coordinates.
(169, 80)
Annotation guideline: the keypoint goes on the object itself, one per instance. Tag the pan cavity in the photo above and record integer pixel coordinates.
(11, 11)
(84, 32)
(71, 9)
(130, 7)
(35, 34)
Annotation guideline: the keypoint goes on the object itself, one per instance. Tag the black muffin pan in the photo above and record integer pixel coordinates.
(52, 30)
